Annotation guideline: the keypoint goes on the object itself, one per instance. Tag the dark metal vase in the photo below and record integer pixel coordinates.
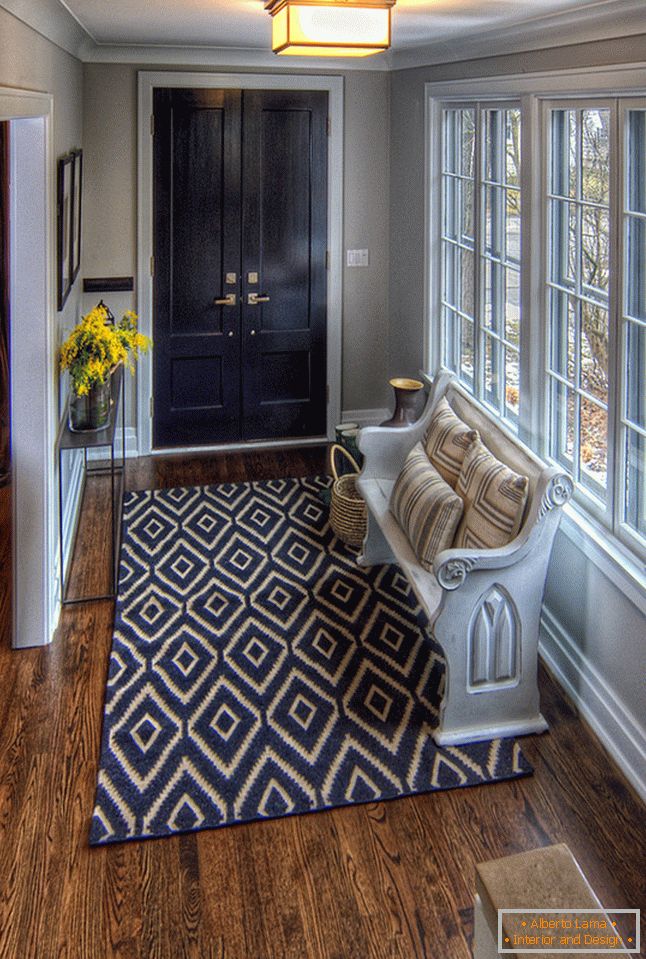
(90, 413)
(405, 401)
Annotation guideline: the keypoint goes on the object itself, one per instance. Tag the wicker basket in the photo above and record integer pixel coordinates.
(348, 514)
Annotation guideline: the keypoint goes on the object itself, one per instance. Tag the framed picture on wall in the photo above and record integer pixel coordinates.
(64, 227)
(77, 206)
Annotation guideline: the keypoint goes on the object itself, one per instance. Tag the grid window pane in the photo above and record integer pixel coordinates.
(578, 293)
(593, 444)
(635, 492)
(595, 245)
(512, 383)
(634, 323)
(636, 161)
(636, 374)
(467, 142)
(512, 312)
(635, 267)
(594, 350)
(563, 408)
(467, 280)
(467, 352)
(595, 155)
(563, 246)
(563, 321)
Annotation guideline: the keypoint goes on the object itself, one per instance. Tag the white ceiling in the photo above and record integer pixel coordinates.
(245, 24)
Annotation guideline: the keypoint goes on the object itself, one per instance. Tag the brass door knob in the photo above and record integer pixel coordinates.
(228, 300)
(254, 298)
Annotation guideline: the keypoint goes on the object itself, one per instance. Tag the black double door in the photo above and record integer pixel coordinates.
(240, 227)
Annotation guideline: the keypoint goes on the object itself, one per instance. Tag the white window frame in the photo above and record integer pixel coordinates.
(622, 557)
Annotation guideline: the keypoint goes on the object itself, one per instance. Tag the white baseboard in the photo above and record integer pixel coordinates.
(365, 417)
(618, 729)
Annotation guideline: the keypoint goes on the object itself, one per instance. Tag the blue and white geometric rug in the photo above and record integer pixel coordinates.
(257, 671)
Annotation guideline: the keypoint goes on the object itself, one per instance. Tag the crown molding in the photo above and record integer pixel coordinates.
(236, 57)
(598, 20)
(52, 20)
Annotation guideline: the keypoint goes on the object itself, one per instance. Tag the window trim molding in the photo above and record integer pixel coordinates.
(609, 553)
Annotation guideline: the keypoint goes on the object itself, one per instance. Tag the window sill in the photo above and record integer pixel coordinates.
(608, 555)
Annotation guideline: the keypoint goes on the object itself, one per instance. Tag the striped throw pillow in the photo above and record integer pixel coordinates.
(494, 500)
(427, 508)
(447, 440)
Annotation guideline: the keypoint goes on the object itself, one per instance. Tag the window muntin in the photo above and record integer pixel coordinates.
(480, 243)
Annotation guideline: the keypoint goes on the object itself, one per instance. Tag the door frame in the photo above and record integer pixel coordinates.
(333, 85)
(33, 370)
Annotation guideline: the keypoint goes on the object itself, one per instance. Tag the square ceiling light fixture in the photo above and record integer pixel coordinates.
(330, 28)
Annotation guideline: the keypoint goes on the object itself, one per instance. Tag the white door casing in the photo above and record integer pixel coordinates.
(148, 81)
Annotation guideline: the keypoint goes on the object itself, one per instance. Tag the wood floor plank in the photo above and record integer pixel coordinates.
(383, 881)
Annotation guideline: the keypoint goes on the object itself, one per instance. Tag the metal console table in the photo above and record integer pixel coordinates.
(89, 443)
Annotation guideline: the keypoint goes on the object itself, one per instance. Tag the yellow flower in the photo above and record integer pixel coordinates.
(95, 347)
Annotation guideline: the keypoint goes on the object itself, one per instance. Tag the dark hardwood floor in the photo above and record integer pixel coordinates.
(5, 565)
(380, 881)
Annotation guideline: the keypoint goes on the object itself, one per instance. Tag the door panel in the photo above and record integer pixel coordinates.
(285, 234)
(240, 189)
(197, 242)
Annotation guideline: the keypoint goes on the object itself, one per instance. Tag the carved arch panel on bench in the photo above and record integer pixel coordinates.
(494, 642)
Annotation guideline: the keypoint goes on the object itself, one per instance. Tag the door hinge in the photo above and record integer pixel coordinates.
(152, 266)
(152, 124)
(329, 126)
(327, 393)
(151, 407)
(327, 259)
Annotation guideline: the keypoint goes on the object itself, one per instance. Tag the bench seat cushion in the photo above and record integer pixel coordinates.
(427, 508)
(377, 494)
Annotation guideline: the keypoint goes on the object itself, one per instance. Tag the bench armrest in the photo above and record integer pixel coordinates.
(452, 566)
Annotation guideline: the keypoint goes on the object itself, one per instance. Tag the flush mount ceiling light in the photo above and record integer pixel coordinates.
(330, 28)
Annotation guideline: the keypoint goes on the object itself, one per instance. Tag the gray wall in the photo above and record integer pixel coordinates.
(29, 61)
(110, 118)
(597, 624)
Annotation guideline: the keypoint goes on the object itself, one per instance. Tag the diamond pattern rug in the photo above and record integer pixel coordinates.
(256, 671)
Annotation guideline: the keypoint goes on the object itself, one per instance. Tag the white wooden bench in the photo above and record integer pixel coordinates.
(483, 605)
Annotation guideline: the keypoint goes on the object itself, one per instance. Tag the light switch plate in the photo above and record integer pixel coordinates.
(358, 258)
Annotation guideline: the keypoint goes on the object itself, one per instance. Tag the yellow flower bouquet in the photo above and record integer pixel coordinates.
(91, 353)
